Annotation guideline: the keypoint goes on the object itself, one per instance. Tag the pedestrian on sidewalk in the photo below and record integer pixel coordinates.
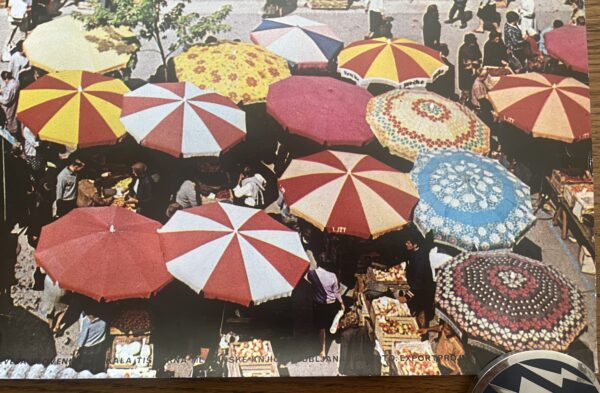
(458, 8)
(432, 29)
(8, 102)
(527, 13)
(375, 10)
(66, 187)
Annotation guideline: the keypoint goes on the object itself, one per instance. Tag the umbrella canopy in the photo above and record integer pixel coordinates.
(397, 62)
(300, 41)
(107, 253)
(545, 105)
(73, 108)
(348, 193)
(233, 253)
(323, 109)
(64, 44)
(239, 71)
(508, 302)
(569, 45)
(469, 201)
(182, 119)
(409, 122)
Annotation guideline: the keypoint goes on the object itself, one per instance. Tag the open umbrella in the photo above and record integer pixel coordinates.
(469, 201)
(182, 119)
(105, 253)
(397, 62)
(569, 45)
(64, 44)
(73, 108)
(409, 122)
(239, 71)
(545, 105)
(233, 253)
(506, 302)
(323, 109)
(348, 193)
(301, 41)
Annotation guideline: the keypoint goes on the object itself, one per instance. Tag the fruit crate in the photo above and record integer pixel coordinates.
(387, 340)
(414, 358)
(395, 284)
(329, 4)
(402, 308)
(240, 365)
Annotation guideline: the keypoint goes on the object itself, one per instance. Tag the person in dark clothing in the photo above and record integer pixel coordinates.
(432, 29)
(489, 18)
(513, 36)
(494, 51)
(458, 8)
(445, 84)
(420, 280)
(140, 189)
(469, 61)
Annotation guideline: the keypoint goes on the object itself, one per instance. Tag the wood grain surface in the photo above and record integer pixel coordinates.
(460, 384)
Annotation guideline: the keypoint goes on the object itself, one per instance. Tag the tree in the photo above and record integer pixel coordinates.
(152, 20)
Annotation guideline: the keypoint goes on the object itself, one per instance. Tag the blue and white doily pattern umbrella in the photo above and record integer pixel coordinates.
(470, 202)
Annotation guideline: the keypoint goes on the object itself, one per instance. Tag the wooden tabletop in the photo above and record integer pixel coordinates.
(330, 385)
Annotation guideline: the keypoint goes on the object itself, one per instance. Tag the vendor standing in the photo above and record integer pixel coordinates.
(91, 351)
(66, 187)
(420, 280)
(326, 292)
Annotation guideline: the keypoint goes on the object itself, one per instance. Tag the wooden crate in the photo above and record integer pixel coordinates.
(265, 366)
(570, 192)
(559, 179)
(387, 340)
(421, 348)
(402, 285)
(329, 4)
(135, 361)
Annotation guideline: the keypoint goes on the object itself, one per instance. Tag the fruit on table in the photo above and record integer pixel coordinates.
(252, 349)
(413, 361)
(135, 321)
(393, 274)
(394, 326)
(388, 307)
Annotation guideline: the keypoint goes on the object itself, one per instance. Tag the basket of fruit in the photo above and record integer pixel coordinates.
(414, 358)
(394, 329)
(253, 358)
(131, 321)
(388, 308)
(394, 276)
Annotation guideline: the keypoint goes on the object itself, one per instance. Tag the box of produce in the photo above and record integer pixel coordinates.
(560, 178)
(131, 321)
(414, 358)
(394, 276)
(388, 307)
(131, 352)
(391, 330)
(255, 351)
(570, 192)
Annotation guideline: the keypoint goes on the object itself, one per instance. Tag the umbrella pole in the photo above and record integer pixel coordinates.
(222, 320)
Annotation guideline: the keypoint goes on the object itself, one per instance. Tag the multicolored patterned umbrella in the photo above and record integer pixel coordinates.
(409, 122)
(239, 71)
(233, 253)
(301, 41)
(569, 45)
(348, 193)
(504, 301)
(470, 202)
(545, 105)
(398, 62)
(182, 119)
(74, 108)
(107, 253)
(326, 110)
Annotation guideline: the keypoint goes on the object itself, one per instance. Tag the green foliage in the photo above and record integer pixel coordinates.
(155, 20)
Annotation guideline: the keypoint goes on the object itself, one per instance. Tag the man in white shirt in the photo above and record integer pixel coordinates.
(18, 13)
(527, 13)
(18, 60)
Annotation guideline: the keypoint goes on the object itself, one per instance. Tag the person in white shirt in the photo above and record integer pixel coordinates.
(527, 13)
(18, 60)
(18, 14)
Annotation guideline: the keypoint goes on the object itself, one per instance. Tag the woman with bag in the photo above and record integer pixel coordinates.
(489, 18)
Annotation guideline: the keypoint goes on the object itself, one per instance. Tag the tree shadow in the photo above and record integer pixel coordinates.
(25, 338)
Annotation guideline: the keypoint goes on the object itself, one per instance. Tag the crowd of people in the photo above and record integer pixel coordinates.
(45, 181)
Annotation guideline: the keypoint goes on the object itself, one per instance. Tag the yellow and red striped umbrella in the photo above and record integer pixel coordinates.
(547, 106)
(74, 108)
(398, 62)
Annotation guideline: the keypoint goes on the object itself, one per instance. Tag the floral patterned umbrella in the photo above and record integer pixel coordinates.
(470, 202)
(504, 301)
(240, 71)
(409, 122)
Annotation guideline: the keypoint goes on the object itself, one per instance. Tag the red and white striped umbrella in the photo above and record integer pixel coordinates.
(182, 120)
(233, 253)
(348, 193)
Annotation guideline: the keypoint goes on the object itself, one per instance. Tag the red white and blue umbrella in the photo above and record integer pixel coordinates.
(300, 41)
(182, 120)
